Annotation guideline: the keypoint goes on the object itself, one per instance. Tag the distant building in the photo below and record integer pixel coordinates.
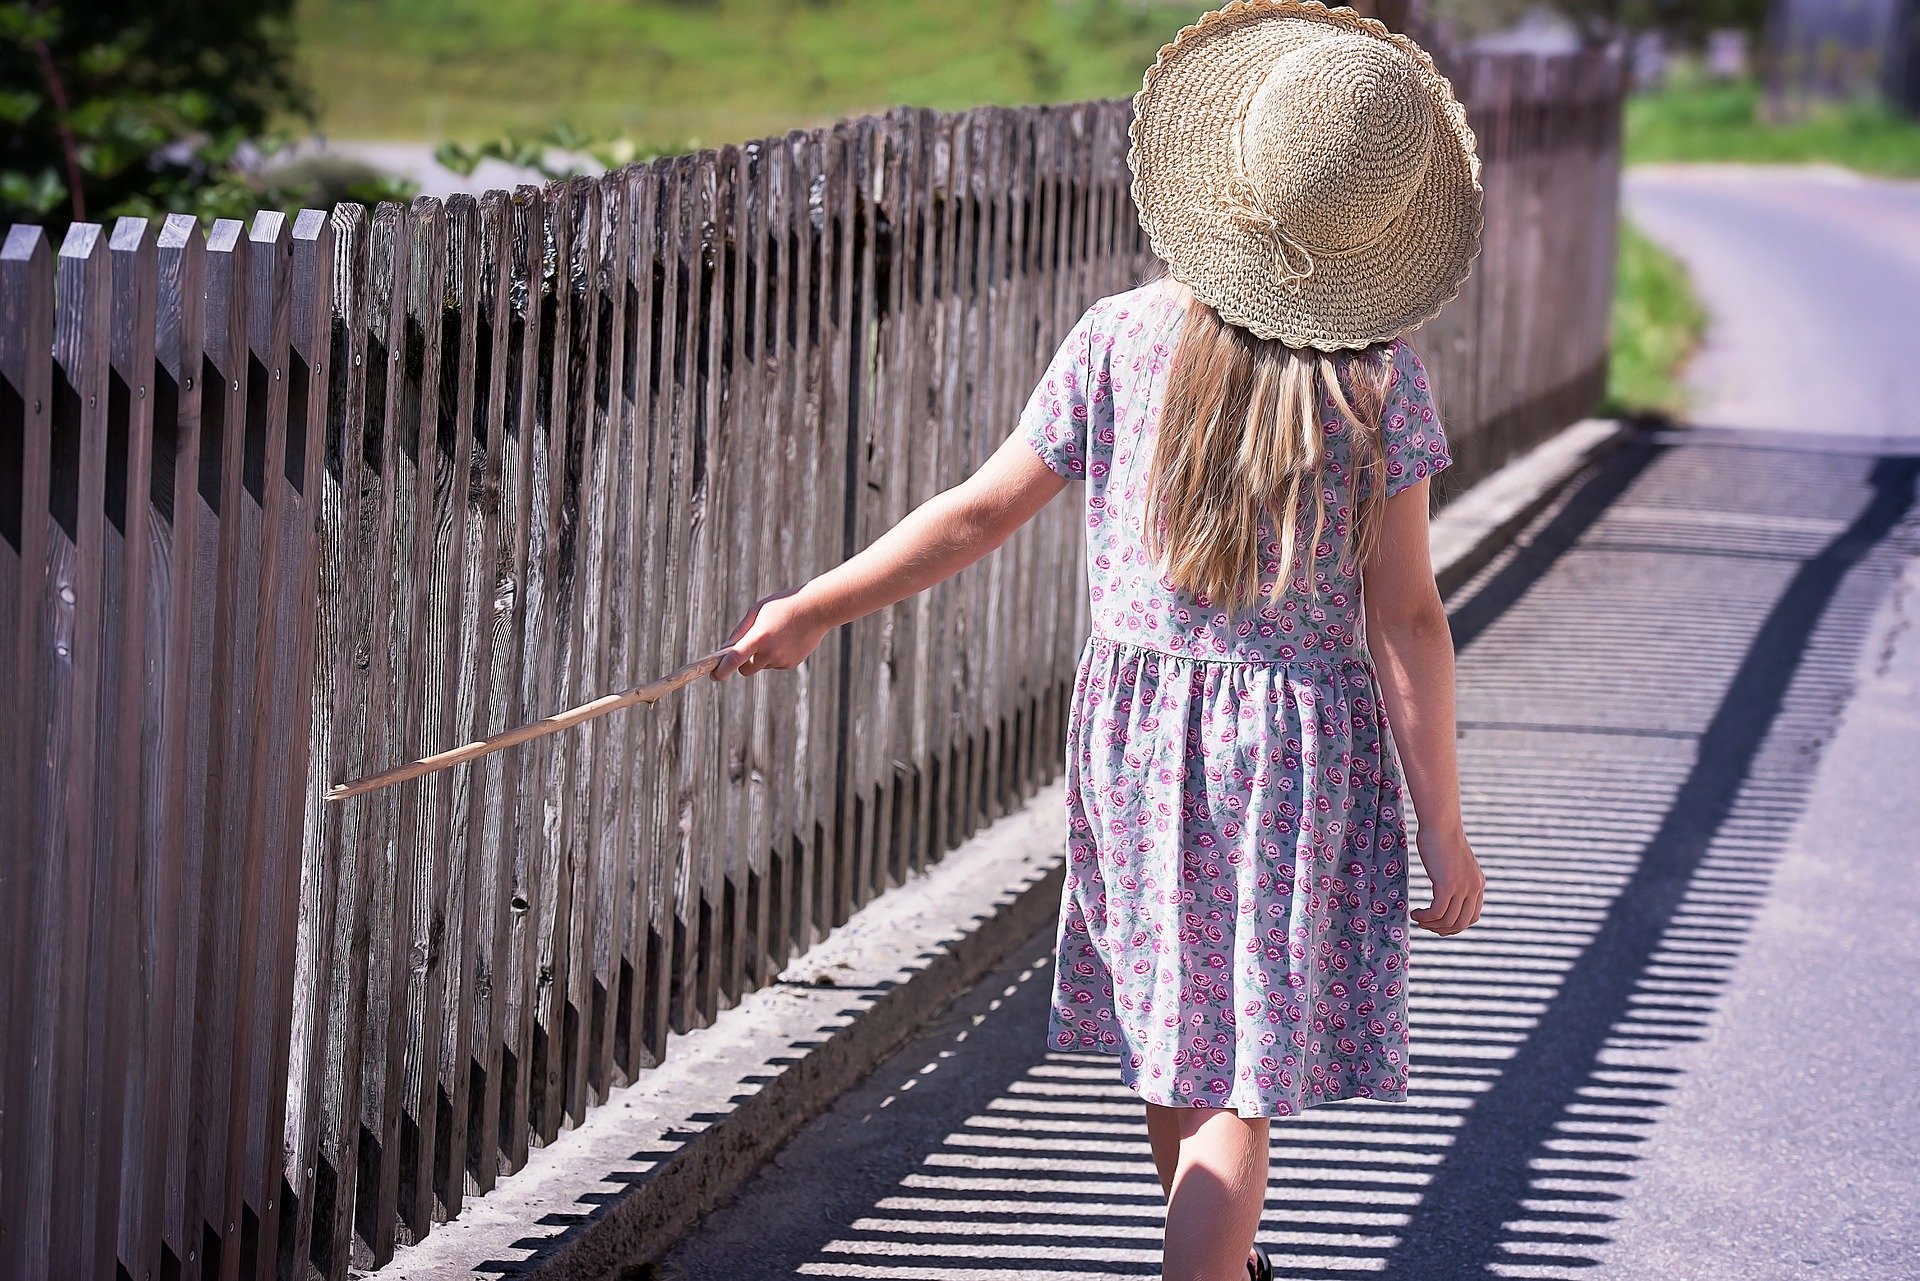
(1841, 48)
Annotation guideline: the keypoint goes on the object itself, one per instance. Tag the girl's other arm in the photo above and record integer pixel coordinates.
(1413, 650)
(933, 542)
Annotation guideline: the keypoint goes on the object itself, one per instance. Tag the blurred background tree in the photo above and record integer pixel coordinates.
(112, 107)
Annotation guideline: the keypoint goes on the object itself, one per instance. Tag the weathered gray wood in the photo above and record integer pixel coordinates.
(895, 262)
(526, 241)
(351, 552)
(464, 621)
(987, 433)
(839, 441)
(72, 666)
(945, 406)
(638, 798)
(736, 464)
(1024, 609)
(497, 441)
(445, 634)
(666, 504)
(312, 914)
(775, 740)
(619, 326)
(176, 760)
(682, 870)
(699, 856)
(827, 443)
(814, 754)
(922, 324)
(118, 1031)
(30, 928)
(962, 435)
(706, 623)
(366, 1143)
(218, 824)
(588, 468)
(554, 523)
(755, 253)
(418, 674)
(310, 323)
(869, 495)
(258, 360)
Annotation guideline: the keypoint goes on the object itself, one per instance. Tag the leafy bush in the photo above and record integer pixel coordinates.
(113, 107)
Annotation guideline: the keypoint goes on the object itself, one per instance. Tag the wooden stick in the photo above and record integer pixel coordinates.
(651, 692)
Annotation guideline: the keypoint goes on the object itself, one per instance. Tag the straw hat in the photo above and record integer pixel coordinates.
(1307, 172)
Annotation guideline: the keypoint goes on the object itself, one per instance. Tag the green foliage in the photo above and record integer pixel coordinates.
(1657, 324)
(560, 152)
(1694, 119)
(115, 107)
(660, 72)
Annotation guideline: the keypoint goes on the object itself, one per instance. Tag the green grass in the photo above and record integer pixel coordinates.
(1657, 324)
(1696, 120)
(675, 72)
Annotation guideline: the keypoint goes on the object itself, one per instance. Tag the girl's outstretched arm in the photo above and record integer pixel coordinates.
(933, 542)
(1413, 650)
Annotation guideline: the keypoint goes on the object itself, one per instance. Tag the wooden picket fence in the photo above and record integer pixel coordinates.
(292, 502)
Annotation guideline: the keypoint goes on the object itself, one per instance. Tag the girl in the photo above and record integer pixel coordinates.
(1256, 443)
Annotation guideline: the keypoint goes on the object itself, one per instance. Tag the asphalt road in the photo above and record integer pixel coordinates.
(1813, 280)
(1681, 1042)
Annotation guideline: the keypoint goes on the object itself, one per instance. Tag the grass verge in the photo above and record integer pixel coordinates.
(1697, 120)
(674, 73)
(1657, 324)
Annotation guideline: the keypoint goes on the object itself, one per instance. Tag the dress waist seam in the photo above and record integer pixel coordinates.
(1355, 655)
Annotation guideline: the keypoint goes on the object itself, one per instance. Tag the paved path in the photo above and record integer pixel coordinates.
(1680, 1043)
(1813, 279)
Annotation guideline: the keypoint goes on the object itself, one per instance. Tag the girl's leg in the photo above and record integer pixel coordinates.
(1216, 1193)
(1163, 1135)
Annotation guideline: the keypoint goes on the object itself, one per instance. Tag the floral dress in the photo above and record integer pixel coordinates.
(1234, 920)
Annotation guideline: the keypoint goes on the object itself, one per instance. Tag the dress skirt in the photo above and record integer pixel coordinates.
(1234, 919)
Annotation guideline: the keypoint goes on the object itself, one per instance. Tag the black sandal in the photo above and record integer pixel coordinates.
(1259, 1266)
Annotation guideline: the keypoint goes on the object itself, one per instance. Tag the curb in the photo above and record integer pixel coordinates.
(1474, 528)
(617, 1192)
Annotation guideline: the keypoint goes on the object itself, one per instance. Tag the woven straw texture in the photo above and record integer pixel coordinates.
(1307, 172)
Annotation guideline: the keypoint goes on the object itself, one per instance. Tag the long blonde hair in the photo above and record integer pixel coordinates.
(1240, 437)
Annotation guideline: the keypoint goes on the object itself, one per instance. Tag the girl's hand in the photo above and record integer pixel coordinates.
(1458, 883)
(779, 631)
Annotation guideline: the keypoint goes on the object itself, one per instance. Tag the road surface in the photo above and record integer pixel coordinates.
(1682, 1041)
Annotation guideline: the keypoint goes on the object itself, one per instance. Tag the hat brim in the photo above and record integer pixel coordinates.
(1180, 149)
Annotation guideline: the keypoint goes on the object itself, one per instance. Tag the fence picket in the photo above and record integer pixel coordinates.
(463, 541)
(117, 1003)
(72, 666)
(440, 322)
(637, 797)
(529, 335)
(609, 779)
(26, 435)
(498, 435)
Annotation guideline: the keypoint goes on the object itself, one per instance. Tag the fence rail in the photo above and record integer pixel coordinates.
(294, 501)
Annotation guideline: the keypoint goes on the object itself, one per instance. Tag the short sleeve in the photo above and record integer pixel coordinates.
(1413, 439)
(1054, 422)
